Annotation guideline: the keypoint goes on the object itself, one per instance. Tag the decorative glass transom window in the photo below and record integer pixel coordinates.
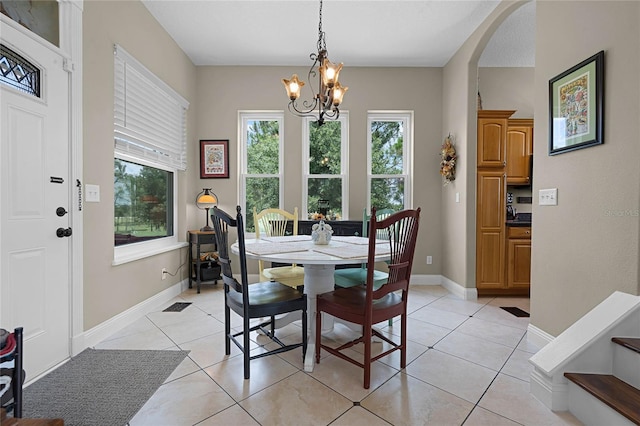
(17, 72)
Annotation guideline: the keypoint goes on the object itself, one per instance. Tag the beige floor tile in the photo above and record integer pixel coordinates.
(189, 330)
(297, 400)
(421, 332)
(497, 333)
(445, 319)
(477, 350)
(462, 378)
(481, 417)
(518, 365)
(233, 415)
(152, 339)
(404, 400)
(348, 379)
(185, 401)
(264, 372)
(141, 325)
(500, 316)
(527, 346)
(358, 416)
(510, 397)
(186, 367)
(209, 350)
(452, 303)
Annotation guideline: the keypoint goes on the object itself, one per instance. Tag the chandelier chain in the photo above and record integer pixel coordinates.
(322, 44)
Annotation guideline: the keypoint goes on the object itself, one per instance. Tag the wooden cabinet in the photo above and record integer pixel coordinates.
(519, 149)
(492, 136)
(519, 259)
(490, 229)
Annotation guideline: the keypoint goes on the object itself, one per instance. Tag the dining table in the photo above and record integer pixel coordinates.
(319, 262)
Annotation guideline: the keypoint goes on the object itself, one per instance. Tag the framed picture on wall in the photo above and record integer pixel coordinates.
(214, 159)
(576, 99)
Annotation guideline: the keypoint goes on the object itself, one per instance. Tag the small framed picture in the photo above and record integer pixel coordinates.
(576, 99)
(214, 159)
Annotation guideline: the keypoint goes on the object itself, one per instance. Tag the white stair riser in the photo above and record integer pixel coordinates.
(591, 411)
(626, 365)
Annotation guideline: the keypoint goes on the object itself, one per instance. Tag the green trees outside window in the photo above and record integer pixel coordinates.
(388, 170)
(143, 202)
(325, 167)
(262, 177)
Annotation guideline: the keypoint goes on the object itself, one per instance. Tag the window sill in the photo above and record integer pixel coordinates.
(131, 257)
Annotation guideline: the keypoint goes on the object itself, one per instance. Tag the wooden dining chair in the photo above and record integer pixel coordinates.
(365, 305)
(349, 277)
(253, 301)
(273, 223)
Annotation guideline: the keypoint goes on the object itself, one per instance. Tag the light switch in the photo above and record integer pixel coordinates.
(92, 193)
(548, 197)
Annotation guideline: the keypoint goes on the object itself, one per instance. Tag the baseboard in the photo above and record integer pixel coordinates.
(458, 290)
(100, 332)
(538, 337)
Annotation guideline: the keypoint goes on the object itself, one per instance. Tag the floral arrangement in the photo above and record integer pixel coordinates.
(448, 162)
(320, 216)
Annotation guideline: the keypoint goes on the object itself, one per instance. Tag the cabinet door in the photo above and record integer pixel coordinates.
(519, 269)
(490, 228)
(519, 147)
(492, 134)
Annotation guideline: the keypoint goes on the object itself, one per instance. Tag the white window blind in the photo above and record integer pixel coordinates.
(150, 118)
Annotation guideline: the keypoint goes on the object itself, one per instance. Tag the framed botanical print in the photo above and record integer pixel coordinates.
(214, 159)
(576, 106)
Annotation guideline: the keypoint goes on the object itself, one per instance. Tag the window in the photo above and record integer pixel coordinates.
(261, 168)
(325, 172)
(389, 155)
(150, 148)
(143, 200)
(17, 72)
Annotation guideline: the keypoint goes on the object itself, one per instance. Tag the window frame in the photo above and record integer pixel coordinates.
(407, 153)
(243, 118)
(344, 164)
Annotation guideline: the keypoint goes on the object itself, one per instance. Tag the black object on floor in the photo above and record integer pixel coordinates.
(179, 306)
(515, 311)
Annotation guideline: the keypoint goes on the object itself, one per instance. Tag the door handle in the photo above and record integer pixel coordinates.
(60, 211)
(62, 232)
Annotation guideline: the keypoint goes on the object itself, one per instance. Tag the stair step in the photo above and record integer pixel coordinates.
(617, 394)
(632, 343)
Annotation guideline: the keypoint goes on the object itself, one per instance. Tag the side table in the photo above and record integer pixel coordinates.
(197, 239)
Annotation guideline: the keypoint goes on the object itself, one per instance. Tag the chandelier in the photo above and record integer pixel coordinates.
(330, 91)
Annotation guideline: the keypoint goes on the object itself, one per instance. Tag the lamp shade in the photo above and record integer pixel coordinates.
(204, 201)
(293, 87)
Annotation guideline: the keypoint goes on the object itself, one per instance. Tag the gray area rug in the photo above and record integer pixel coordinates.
(100, 387)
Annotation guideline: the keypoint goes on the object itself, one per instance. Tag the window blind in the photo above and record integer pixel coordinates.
(150, 118)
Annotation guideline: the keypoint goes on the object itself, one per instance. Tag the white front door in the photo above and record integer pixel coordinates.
(35, 265)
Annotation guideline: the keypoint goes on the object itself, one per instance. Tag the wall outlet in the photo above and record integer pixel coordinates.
(429, 260)
(548, 197)
(164, 273)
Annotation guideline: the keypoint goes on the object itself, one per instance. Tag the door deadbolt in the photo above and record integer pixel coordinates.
(60, 211)
(62, 232)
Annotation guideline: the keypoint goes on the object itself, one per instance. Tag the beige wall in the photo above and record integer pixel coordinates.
(110, 290)
(225, 90)
(507, 88)
(586, 247)
(459, 105)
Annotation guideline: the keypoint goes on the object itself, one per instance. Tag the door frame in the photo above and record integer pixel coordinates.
(70, 24)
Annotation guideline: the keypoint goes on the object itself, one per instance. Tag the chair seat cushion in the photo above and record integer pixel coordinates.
(268, 295)
(350, 277)
(282, 272)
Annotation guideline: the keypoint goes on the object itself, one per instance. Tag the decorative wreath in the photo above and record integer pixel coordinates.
(448, 162)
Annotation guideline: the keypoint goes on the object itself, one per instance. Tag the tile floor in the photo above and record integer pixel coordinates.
(467, 364)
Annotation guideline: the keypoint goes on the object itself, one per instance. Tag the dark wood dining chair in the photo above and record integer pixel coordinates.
(253, 301)
(364, 304)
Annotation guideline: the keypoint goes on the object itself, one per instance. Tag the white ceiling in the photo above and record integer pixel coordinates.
(359, 33)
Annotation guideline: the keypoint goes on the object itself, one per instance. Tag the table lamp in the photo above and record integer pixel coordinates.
(204, 201)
